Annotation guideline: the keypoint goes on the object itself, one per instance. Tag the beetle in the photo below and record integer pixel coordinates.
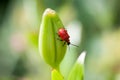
(64, 36)
(62, 33)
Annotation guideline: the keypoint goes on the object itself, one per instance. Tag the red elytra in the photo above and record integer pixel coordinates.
(64, 35)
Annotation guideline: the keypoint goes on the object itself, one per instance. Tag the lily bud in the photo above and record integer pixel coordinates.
(51, 49)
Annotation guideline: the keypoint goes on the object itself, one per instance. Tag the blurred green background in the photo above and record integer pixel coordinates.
(92, 24)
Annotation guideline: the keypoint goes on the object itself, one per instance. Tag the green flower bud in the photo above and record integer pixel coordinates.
(51, 49)
(77, 72)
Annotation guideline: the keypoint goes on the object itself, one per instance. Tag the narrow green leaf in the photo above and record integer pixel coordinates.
(77, 72)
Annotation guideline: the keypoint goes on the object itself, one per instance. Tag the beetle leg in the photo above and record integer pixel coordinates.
(59, 39)
(64, 43)
(57, 34)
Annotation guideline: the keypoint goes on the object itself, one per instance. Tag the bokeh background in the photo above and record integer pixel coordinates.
(92, 24)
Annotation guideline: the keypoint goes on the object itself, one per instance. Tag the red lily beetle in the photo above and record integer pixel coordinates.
(62, 33)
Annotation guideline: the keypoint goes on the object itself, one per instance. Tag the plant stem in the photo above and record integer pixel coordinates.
(56, 75)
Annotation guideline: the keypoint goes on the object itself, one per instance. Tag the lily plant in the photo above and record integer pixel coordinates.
(53, 51)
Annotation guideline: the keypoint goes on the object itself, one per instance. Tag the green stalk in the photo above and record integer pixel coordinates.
(55, 75)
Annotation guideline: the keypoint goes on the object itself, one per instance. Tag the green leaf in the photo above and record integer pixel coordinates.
(51, 49)
(77, 72)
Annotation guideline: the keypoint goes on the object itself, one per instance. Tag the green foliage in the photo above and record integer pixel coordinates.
(76, 72)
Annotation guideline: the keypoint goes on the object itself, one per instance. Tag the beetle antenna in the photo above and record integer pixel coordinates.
(69, 48)
(74, 45)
